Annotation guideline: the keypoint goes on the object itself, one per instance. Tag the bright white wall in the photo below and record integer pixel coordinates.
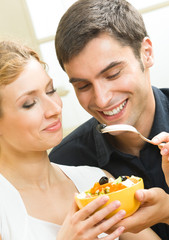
(157, 23)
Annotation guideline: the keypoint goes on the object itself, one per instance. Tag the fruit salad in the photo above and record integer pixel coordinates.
(105, 186)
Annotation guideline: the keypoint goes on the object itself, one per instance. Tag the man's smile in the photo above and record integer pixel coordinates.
(116, 110)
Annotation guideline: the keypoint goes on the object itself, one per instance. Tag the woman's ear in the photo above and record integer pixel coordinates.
(147, 52)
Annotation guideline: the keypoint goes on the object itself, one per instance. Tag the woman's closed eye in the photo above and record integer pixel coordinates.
(51, 91)
(29, 104)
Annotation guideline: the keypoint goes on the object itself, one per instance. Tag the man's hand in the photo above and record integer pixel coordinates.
(153, 210)
(162, 140)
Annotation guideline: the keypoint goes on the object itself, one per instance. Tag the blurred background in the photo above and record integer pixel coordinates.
(35, 21)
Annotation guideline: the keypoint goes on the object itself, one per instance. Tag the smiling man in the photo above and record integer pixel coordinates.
(104, 48)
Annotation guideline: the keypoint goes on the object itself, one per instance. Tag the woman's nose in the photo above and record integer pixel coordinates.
(53, 107)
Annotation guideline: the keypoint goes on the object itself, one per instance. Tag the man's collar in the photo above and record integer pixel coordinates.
(104, 149)
(160, 122)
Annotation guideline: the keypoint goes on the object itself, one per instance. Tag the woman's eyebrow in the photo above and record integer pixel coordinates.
(31, 92)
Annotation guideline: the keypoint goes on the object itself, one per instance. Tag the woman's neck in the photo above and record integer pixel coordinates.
(28, 170)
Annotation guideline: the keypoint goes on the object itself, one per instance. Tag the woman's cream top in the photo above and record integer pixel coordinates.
(16, 224)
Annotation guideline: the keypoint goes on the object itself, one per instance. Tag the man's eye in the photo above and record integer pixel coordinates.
(114, 75)
(83, 87)
(52, 91)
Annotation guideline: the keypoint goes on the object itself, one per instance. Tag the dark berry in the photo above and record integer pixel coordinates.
(123, 178)
(103, 180)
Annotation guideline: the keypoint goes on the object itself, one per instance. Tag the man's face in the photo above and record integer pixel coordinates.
(110, 82)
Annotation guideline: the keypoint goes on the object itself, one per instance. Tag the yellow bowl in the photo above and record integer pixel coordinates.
(125, 196)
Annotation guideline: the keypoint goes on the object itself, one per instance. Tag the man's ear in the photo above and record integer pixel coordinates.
(147, 52)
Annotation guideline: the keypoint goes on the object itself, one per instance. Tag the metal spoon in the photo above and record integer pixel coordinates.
(103, 128)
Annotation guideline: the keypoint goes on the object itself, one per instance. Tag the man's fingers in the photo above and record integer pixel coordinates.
(144, 195)
(161, 137)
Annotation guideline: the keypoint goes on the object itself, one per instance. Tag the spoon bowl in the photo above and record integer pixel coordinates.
(103, 128)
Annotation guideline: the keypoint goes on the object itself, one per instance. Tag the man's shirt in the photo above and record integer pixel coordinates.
(86, 146)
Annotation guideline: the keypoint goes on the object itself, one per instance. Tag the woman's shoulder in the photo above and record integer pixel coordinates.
(82, 170)
(83, 176)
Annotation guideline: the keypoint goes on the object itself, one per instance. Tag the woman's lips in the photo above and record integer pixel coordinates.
(53, 127)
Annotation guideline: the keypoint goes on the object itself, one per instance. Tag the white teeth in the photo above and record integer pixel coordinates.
(115, 110)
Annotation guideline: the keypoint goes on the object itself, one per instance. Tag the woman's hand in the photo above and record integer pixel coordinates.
(87, 224)
(162, 140)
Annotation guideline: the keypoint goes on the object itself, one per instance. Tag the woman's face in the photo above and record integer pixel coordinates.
(31, 111)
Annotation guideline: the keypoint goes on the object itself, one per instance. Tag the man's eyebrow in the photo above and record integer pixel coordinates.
(111, 65)
(73, 80)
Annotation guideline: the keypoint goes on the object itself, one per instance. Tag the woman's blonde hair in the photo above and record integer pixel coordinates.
(13, 58)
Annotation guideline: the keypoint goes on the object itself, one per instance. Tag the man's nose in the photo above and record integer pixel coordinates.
(102, 96)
